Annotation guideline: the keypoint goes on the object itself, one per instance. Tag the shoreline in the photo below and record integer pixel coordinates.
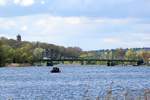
(18, 65)
(30, 65)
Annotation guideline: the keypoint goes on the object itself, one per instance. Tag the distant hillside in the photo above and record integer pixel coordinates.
(17, 51)
(129, 54)
(14, 51)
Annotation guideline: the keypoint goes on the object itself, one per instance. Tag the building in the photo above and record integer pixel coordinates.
(19, 38)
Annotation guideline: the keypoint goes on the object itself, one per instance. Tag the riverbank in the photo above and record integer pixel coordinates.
(18, 65)
(63, 65)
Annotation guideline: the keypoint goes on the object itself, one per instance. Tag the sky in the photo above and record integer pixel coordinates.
(89, 24)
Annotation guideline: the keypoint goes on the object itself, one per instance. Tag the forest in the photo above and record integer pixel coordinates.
(13, 51)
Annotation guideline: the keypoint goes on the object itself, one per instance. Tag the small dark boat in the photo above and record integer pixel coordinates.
(55, 70)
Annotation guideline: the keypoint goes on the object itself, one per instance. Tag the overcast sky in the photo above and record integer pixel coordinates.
(89, 24)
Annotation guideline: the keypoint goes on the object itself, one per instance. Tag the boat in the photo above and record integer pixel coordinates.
(55, 70)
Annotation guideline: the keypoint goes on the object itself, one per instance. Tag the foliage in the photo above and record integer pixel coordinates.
(1, 55)
(37, 53)
(119, 54)
(130, 55)
(13, 51)
(145, 55)
(8, 53)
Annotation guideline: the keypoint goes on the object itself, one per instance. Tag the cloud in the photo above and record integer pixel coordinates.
(73, 20)
(86, 32)
(3, 2)
(76, 8)
(24, 2)
(111, 40)
(43, 2)
(85, 23)
(7, 24)
(24, 28)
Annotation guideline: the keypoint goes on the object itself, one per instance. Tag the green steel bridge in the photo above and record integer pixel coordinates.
(82, 61)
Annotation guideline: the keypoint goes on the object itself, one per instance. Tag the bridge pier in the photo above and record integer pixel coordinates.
(49, 63)
(82, 62)
(110, 63)
(140, 62)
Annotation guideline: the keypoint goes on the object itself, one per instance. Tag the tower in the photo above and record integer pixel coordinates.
(19, 38)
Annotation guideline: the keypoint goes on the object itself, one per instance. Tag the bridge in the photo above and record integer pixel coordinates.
(82, 61)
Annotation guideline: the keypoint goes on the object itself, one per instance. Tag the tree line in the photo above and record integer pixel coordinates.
(13, 51)
(120, 54)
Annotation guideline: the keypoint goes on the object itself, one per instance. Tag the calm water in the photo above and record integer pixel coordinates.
(37, 83)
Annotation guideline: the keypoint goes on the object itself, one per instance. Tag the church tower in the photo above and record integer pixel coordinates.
(19, 38)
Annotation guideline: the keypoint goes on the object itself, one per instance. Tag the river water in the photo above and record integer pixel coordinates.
(73, 83)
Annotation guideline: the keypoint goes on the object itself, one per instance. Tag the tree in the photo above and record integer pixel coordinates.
(131, 55)
(37, 54)
(2, 63)
(73, 51)
(24, 54)
(27, 53)
(119, 54)
(8, 53)
(145, 55)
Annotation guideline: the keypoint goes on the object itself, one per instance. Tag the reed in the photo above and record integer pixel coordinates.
(123, 95)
